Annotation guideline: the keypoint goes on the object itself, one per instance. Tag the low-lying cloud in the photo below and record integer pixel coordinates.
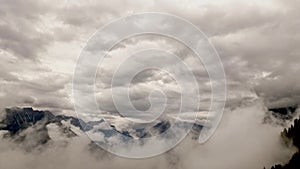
(241, 141)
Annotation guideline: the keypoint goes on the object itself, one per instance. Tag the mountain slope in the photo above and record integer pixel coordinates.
(292, 134)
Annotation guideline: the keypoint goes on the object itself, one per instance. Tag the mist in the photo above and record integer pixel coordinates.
(242, 140)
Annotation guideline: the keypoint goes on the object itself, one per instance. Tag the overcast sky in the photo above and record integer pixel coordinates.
(40, 41)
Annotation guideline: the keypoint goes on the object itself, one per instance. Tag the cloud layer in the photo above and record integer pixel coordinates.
(257, 42)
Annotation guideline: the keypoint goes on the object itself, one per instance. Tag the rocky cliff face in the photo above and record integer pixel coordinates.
(26, 124)
(292, 134)
(30, 127)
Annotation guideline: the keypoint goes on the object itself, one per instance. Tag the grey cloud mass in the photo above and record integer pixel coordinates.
(257, 42)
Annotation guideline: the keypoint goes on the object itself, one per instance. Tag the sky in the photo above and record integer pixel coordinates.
(257, 42)
(42, 40)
